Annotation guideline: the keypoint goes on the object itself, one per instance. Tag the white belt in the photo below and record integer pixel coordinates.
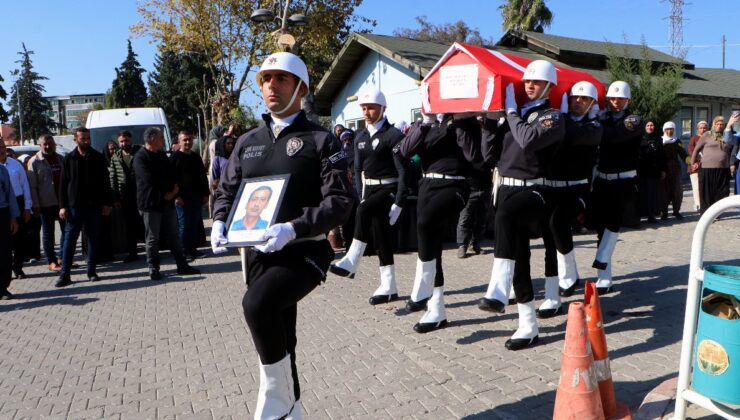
(514, 182)
(442, 176)
(371, 181)
(618, 175)
(561, 184)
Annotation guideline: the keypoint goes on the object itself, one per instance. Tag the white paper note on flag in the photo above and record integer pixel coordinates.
(458, 82)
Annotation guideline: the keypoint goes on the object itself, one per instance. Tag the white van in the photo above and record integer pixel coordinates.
(104, 125)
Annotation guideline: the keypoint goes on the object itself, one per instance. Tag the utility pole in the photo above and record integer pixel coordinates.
(724, 43)
(676, 19)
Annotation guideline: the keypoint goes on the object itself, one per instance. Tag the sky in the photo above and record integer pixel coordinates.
(78, 44)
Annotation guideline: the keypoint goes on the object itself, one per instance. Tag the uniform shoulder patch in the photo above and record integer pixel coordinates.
(533, 116)
(632, 122)
(549, 120)
(336, 157)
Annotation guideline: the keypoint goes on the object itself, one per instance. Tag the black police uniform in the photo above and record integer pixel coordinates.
(318, 197)
(615, 184)
(568, 174)
(384, 185)
(445, 150)
(521, 203)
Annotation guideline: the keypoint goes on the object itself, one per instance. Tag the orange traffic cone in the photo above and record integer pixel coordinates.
(597, 337)
(578, 394)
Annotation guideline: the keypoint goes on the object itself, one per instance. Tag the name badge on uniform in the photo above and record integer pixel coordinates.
(375, 143)
(294, 145)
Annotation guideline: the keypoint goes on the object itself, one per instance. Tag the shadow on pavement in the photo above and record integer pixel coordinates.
(66, 300)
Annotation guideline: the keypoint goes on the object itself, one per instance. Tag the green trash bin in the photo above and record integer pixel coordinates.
(717, 353)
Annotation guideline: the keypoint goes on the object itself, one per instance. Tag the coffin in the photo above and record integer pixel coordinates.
(474, 79)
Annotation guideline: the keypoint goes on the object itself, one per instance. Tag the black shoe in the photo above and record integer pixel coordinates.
(477, 249)
(413, 306)
(462, 251)
(6, 295)
(521, 343)
(599, 265)
(652, 220)
(341, 272)
(604, 290)
(678, 216)
(378, 299)
(63, 281)
(664, 216)
(491, 305)
(512, 301)
(196, 254)
(189, 258)
(569, 291)
(549, 313)
(187, 271)
(425, 327)
(130, 258)
(93, 277)
(19, 274)
(155, 275)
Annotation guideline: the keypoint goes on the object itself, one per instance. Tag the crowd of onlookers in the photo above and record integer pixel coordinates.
(128, 193)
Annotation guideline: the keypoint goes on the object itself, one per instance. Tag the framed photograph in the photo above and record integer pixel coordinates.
(254, 210)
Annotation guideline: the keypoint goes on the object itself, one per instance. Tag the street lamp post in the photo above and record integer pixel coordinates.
(286, 41)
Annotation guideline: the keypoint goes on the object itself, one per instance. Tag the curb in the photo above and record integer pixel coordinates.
(657, 401)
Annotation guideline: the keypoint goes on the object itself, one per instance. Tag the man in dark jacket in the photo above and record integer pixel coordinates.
(156, 190)
(84, 197)
(190, 175)
(123, 183)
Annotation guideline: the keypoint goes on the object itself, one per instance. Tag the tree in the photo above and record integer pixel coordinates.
(446, 33)
(128, 88)
(525, 15)
(178, 85)
(234, 47)
(3, 96)
(81, 118)
(654, 86)
(27, 102)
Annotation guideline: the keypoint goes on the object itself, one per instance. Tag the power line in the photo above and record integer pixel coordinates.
(697, 46)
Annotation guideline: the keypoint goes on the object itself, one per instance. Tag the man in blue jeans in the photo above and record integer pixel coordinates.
(156, 189)
(84, 197)
(9, 212)
(190, 175)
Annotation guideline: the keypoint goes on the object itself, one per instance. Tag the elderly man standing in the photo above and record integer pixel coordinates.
(19, 181)
(8, 226)
(156, 189)
(44, 176)
(84, 197)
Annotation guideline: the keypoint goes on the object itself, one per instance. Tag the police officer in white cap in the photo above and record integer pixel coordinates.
(379, 181)
(568, 175)
(527, 137)
(446, 146)
(296, 255)
(615, 184)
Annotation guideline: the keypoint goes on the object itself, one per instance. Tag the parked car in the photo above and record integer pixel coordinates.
(104, 125)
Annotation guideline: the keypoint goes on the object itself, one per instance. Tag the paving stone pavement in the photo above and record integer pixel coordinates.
(128, 347)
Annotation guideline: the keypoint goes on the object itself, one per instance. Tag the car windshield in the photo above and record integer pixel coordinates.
(101, 135)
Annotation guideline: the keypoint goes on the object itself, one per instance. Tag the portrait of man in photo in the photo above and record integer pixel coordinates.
(258, 201)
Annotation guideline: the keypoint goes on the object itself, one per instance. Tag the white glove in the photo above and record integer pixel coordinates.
(593, 112)
(277, 236)
(429, 119)
(218, 238)
(510, 100)
(564, 103)
(394, 213)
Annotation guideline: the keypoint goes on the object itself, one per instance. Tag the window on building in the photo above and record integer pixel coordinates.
(702, 114)
(416, 115)
(687, 122)
(355, 125)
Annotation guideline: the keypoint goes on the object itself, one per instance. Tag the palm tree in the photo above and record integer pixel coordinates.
(525, 15)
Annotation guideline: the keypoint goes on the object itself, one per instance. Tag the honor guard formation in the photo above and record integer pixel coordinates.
(533, 169)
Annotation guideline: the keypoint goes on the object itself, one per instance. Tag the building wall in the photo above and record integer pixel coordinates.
(396, 82)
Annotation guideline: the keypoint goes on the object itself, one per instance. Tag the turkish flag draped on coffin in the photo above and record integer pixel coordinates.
(474, 79)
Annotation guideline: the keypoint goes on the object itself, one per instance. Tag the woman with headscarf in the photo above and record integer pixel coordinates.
(650, 170)
(110, 148)
(223, 149)
(714, 154)
(701, 128)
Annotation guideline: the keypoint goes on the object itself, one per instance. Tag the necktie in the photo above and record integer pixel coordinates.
(276, 129)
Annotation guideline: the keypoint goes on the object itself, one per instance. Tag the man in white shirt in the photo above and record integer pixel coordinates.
(19, 181)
